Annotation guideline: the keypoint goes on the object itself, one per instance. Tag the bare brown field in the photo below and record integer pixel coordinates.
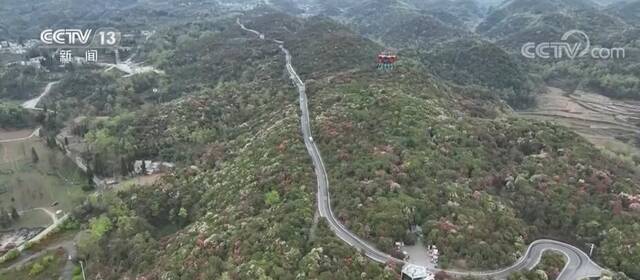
(14, 134)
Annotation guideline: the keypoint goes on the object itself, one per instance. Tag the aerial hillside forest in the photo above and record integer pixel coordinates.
(433, 144)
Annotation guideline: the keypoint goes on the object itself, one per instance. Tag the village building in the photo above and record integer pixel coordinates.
(435, 255)
(34, 62)
(151, 167)
(415, 272)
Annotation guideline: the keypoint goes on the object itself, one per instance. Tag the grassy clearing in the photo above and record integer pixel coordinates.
(26, 184)
(623, 151)
(32, 218)
(146, 180)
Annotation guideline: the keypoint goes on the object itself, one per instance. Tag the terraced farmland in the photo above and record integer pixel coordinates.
(613, 125)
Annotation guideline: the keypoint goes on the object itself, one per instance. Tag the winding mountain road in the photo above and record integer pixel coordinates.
(578, 264)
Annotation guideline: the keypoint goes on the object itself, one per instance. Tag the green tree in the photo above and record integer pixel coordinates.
(99, 226)
(183, 214)
(272, 198)
(36, 269)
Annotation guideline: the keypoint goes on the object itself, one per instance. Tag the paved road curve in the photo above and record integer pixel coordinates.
(578, 266)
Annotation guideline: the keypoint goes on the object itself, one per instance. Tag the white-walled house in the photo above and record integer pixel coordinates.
(416, 272)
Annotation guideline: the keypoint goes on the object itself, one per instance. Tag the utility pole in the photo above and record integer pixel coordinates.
(591, 250)
(155, 91)
(82, 267)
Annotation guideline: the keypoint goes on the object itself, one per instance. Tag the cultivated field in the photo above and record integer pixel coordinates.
(611, 125)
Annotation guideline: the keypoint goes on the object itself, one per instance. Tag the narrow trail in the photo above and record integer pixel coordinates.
(35, 133)
(578, 266)
(33, 103)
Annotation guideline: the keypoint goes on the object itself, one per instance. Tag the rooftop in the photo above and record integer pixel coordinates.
(417, 272)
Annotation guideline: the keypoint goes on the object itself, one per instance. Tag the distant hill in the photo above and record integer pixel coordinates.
(26, 19)
(374, 16)
(289, 6)
(402, 24)
(519, 21)
(322, 46)
(531, 9)
(476, 62)
(607, 2)
(421, 32)
(469, 12)
(273, 23)
(318, 44)
(628, 10)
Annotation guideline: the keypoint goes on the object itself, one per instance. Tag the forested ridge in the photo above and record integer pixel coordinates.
(432, 143)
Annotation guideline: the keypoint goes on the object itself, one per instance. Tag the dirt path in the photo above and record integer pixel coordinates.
(31, 104)
(35, 133)
(54, 218)
(12, 134)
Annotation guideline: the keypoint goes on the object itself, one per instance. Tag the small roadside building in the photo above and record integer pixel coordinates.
(416, 272)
